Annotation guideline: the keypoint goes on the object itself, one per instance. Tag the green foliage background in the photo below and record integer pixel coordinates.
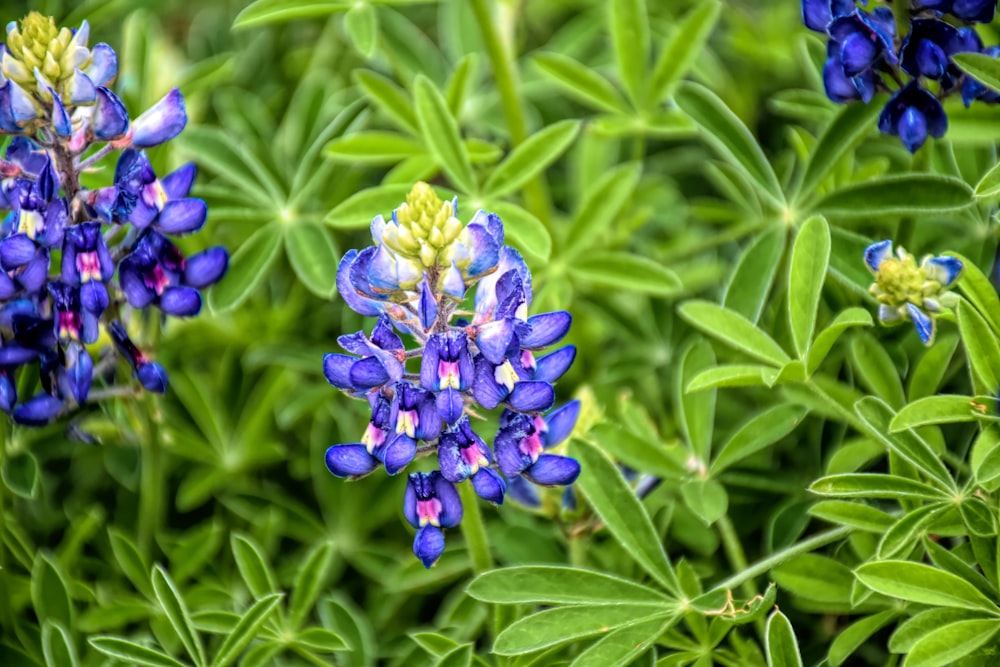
(677, 180)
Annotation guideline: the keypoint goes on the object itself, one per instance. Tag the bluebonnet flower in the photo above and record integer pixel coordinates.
(56, 103)
(865, 55)
(906, 290)
(415, 279)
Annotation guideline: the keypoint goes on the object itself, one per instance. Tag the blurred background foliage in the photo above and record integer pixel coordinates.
(304, 126)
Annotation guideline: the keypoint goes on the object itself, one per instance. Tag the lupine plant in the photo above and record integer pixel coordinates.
(776, 443)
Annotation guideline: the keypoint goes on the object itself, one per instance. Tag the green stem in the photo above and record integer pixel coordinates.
(775, 559)
(578, 550)
(734, 551)
(500, 53)
(151, 484)
(474, 531)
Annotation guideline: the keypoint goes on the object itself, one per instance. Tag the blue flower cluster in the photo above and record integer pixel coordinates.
(415, 279)
(61, 244)
(866, 54)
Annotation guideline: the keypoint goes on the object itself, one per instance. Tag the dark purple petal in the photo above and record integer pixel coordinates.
(94, 297)
(368, 373)
(15, 251)
(384, 337)
(428, 418)
(348, 293)
(551, 367)
(182, 216)
(429, 362)
(489, 485)
(12, 354)
(546, 329)
(912, 129)
(153, 377)
(427, 306)
(523, 492)
(136, 291)
(980, 11)
(110, 119)
(397, 453)
(36, 272)
(7, 287)
(486, 390)
(161, 122)
(552, 470)
(410, 498)
(816, 14)
(450, 405)
(857, 53)
(877, 253)
(350, 461)
(38, 410)
(79, 373)
(8, 392)
(60, 119)
(206, 267)
(180, 301)
(531, 397)
(7, 123)
(509, 457)
(451, 504)
(337, 369)
(177, 184)
(428, 545)
(839, 87)
(560, 423)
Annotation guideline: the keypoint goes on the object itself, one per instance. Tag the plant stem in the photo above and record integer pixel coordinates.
(775, 559)
(505, 74)
(734, 551)
(474, 531)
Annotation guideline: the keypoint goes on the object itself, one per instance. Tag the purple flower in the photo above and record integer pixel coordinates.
(913, 114)
(430, 504)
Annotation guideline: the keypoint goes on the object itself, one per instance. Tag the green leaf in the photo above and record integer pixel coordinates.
(564, 624)
(50, 592)
(525, 230)
(982, 67)
(615, 502)
(252, 566)
(637, 452)
(696, 411)
(842, 134)
(846, 264)
(810, 258)
(322, 640)
(981, 347)
(622, 645)
(759, 432)
(876, 370)
(580, 81)
(923, 584)
(779, 642)
(907, 443)
(630, 42)
(733, 329)
(375, 147)
(390, 98)
(874, 485)
(309, 580)
(751, 280)
(852, 317)
(978, 517)
(357, 211)
(440, 132)
(989, 185)
(706, 498)
(132, 653)
(57, 646)
(540, 584)
(726, 133)
(682, 49)
(602, 203)
(264, 12)
(730, 375)
(855, 515)
(247, 268)
(246, 630)
(173, 606)
(934, 410)
(915, 628)
(853, 636)
(20, 473)
(313, 257)
(460, 656)
(623, 270)
(978, 289)
(946, 644)
(361, 25)
(531, 157)
(130, 561)
(816, 578)
(896, 195)
(907, 530)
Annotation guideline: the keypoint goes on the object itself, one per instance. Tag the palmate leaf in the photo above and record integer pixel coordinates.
(247, 268)
(531, 157)
(603, 201)
(626, 271)
(733, 329)
(313, 256)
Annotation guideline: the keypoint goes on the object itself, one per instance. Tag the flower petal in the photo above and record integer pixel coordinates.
(397, 453)
(177, 184)
(161, 122)
(531, 397)
(450, 405)
(489, 485)
(923, 322)
(182, 216)
(337, 369)
(206, 267)
(153, 377)
(38, 410)
(551, 367)
(110, 119)
(876, 253)
(943, 269)
(348, 293)
(428, 545)
(546, 329)
(180, 301)
(559, 424)
(451, 504)
(552, 470)
(350, 461)
(15, 251)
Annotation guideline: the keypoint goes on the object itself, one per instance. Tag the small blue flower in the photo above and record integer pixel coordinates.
(913, 114)
(430, 504)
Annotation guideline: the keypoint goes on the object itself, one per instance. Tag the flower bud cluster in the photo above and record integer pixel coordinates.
(871, 51)
(73, 259)
(908, 291)
(415, 279)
